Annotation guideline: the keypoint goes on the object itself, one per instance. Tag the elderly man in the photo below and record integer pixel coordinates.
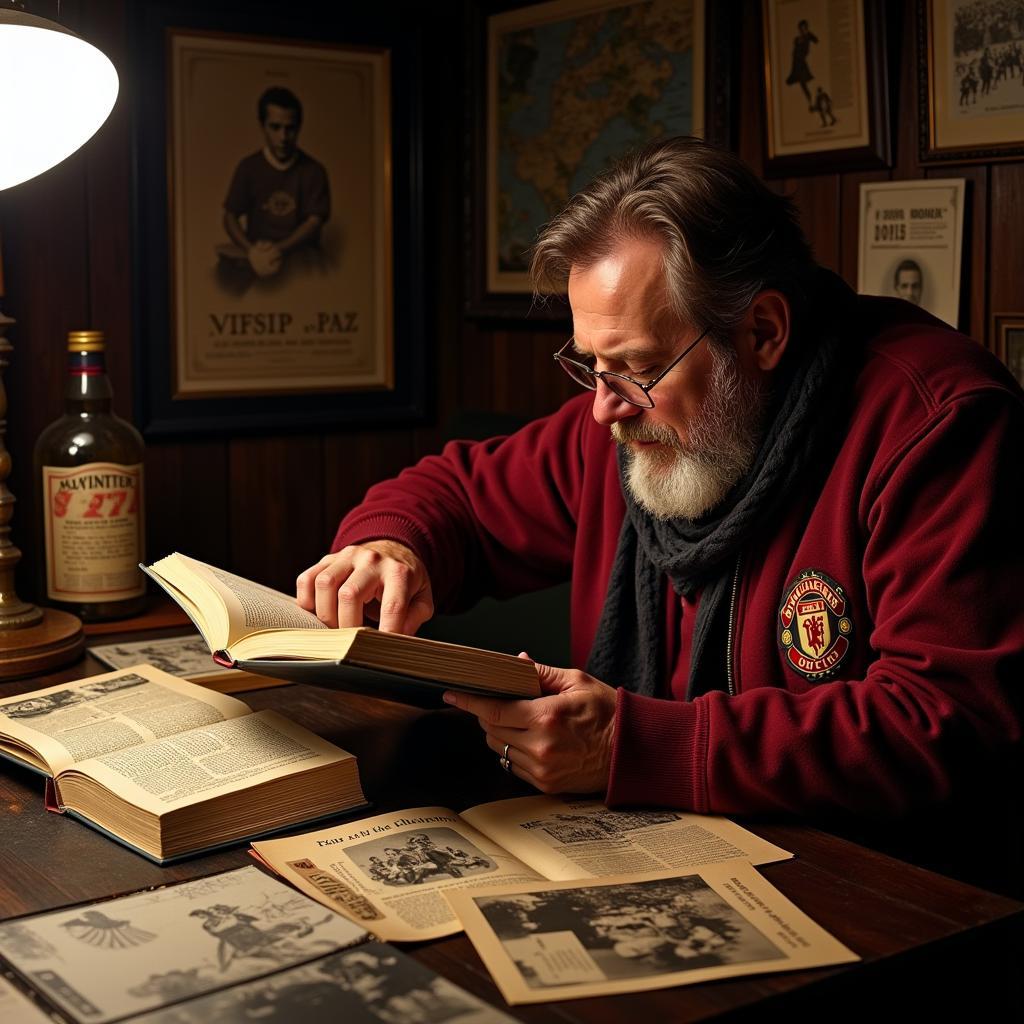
(790, 516)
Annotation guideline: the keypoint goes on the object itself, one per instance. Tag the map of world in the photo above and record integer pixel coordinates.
(571, 96)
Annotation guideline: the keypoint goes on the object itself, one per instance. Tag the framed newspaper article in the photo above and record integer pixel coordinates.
(557, 92)
(826, 86)
(970, 67)
(276, 222)
(911, 242)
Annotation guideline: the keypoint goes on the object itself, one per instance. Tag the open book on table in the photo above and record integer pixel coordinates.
(228, 947)
(170, 768)
(392, 872)
(257, 629)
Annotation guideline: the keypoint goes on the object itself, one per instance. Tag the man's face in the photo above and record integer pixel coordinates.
(686, 453)
(281, 131)
(908, 285)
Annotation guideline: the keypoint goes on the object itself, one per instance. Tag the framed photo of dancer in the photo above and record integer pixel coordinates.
(970, 80)
(826, 86)
(1008, 342)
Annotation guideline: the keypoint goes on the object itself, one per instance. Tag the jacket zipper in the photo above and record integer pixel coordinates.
(730, 682)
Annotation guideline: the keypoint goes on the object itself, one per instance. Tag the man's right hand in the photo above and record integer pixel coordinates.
(379, 578)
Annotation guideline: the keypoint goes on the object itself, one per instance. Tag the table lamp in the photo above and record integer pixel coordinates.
(57, 90)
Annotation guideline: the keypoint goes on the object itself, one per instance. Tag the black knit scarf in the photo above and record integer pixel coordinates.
(808, 393)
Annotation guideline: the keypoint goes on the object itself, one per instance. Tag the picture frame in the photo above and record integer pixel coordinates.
(971, 108)
(826, 86)
(305, 339)
(1007, 341)
(910, 243)
(695, 97)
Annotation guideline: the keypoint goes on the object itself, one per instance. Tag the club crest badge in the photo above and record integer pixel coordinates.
(815, 631)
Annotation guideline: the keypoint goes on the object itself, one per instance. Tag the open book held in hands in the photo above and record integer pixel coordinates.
(249, 626)
(169, 768)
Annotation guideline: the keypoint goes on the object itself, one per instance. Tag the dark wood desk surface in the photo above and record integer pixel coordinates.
(929, 943)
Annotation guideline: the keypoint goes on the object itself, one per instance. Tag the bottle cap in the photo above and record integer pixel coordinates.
(86, 341)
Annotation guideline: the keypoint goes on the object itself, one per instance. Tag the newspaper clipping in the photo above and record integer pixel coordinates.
(633, 933)
(392, 872)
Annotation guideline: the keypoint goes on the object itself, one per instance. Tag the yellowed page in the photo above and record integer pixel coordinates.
(391, 872)
(89, 717)
(248, 607)
(566, 839)
(212, 760)
(18, 1009)
(632, 933)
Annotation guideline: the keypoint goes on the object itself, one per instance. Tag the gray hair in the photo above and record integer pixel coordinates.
(726, 236)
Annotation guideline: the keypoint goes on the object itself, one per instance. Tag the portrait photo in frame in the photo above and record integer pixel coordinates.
(826, 86)
(1008, 342)
(560, 91)
(277, 216)
(911, 242)
(252, 315)
(970, 70)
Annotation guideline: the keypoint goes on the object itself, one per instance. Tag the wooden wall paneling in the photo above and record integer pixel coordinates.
(352, 463)
(973, 290)
(849, 221)
(275, 507)
(108, 170)
(1006, 239)
(45, 245)
(906, 111)
(817, 199)
(752, 120)
(187, 500)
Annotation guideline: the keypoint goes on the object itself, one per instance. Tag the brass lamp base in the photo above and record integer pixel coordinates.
(57, 640)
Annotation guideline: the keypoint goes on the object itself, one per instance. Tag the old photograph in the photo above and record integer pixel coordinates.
(975, 61)
(584, 826)
(817, 76)
(911, 240)
(413, 858)
(280, 199)
(372, 983)
(630, 930)
(47, 703)
(182, 656)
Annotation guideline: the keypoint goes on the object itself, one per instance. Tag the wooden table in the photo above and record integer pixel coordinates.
(930, 944)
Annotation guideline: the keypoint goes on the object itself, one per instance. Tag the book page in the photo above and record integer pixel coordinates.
(391, 872)
(211, 760)
(632, 933)
(104, 961)
(184, 657)
(18, 1009)
(88, 717)
(565, 839)
(250, 606)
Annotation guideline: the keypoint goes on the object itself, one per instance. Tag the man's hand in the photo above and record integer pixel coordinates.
(560, 743)
(380, 578)
(265, 259)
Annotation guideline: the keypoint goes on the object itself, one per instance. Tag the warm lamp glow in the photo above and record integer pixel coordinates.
(56, 91)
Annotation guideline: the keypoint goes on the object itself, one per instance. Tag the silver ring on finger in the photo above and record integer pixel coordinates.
(504, 760)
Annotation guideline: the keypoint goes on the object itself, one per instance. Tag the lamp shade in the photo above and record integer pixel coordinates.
(56, 91)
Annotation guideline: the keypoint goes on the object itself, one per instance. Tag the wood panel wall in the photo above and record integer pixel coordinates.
(267, 506)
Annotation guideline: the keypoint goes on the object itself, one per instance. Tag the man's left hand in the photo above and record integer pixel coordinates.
(560, 742)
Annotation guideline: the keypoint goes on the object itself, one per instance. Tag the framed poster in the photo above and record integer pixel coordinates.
(970, 68)
(911, 242)
(277, 217)
(563, 90)
(1008, 342)
(826, 86)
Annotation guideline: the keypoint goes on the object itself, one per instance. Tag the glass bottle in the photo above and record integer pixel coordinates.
(88, 466)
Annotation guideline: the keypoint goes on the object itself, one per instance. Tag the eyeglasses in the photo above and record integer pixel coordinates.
(626, 388)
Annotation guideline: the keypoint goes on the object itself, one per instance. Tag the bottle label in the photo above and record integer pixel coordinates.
(94, 529)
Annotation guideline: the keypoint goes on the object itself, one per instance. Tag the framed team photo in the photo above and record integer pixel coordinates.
(826, 86)
(971, 66)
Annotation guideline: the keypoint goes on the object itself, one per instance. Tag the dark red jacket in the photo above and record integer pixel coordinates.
(875, 685)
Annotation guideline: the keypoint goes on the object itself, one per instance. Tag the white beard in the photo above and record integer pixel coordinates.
(685, 481)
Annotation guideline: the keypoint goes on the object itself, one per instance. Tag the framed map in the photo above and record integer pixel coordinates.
(564, 89)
